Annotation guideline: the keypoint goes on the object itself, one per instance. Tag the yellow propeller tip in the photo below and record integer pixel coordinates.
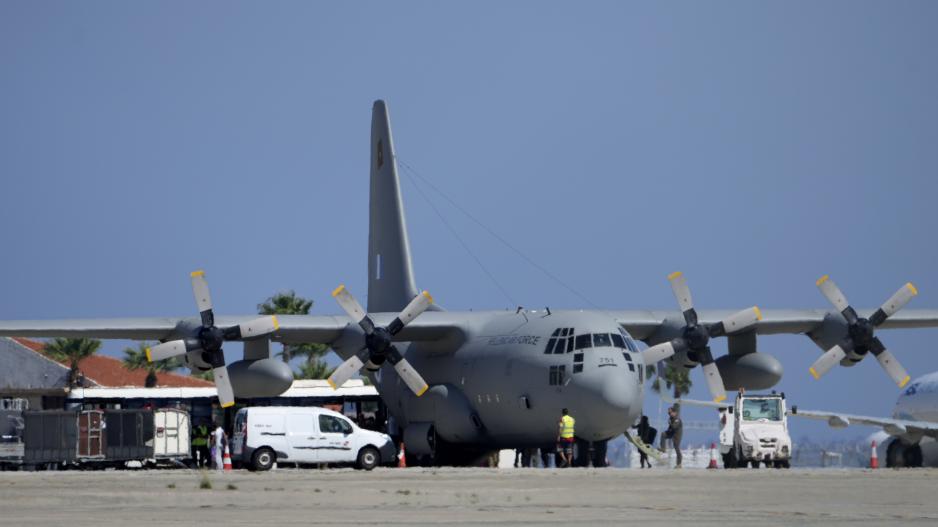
(427, 294)
(338, 290)
(227, 405)
(758, 312)
(332, 383)
(719, 399)
(822, 279)
(149, 357)
(674, 275)
(276, 322)
(912, 288)
(904, 381)
(422, 390)
(814, 373)
(199, 272)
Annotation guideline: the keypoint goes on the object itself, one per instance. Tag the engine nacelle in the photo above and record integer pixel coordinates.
(260, 378)
(752, 371)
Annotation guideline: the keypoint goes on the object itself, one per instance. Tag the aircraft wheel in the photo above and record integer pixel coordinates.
(368, 458)
(754, 463)
(263, 459)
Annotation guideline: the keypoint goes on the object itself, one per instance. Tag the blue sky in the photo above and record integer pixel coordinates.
(755, 146)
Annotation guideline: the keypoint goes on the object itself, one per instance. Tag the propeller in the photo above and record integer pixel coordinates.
(378, 347)
(210, 338)
(695, 337)
(861, 336)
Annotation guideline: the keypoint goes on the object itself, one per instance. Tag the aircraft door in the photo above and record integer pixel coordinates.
(302, 437)
(335, 439)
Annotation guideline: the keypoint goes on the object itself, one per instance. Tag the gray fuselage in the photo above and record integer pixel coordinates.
(498, 387)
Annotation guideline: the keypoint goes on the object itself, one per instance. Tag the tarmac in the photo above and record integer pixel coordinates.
(511, 497)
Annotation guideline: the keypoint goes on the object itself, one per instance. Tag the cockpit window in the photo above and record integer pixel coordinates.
(601, 340)
(561, 346)
(617, 340)
(584, 341)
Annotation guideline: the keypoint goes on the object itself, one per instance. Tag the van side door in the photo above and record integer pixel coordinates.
(335, 440)
(302, 437)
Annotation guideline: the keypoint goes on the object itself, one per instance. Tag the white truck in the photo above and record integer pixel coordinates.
(753, 430)
(305, 435)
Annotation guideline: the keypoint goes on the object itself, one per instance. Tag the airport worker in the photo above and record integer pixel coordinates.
(200, 450)
(647, 435)
(219, 440)
(565, 434)
(674, 432)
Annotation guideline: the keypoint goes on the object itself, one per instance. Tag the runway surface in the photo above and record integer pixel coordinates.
(471, 497)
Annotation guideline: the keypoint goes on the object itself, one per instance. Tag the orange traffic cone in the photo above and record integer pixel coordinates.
(226, 460)
(402, 457)
(874, 459)
(713, 456)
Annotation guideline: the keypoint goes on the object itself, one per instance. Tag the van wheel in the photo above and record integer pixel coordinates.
(368, 458)
(263, 459)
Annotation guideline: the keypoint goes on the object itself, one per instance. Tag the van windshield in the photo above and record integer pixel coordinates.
(756, 409)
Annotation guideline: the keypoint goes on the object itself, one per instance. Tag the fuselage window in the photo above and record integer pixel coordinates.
(628, 358)
(557, 374)
(641, 374)
(601, 340)
(584, 341)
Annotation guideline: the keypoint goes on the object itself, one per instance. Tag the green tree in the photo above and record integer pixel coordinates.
(314, 369)
(72, 351)
(288, 303)
(136, 358)
(676, 378)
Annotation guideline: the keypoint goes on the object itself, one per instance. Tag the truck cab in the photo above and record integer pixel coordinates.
(758, 426)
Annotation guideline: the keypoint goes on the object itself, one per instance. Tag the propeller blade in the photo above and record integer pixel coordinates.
(656, 353)
(418, 305)
(832, 293)
(347, 369)
(682, 294)
(714, 382)
(166, 350)
(889, 363)
(410, 377)
(253, 328)
(898, 300)
(738, 321)
(408, 374)
(353, 309)
(223, 385)
(827, 361)
(202, 297)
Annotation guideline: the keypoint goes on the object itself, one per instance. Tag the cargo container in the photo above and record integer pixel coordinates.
(93, 438)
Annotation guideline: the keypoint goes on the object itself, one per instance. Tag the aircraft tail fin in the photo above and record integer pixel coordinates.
(390, 274)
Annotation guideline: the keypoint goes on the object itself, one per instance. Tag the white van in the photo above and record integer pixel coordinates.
(305, 434)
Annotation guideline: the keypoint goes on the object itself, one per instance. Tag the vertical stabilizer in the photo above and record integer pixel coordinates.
(390, 275)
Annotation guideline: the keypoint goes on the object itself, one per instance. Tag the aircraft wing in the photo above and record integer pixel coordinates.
(294, 329)
(889, 425)
(643, 325)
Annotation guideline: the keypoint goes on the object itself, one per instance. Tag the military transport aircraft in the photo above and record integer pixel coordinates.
(460, 383)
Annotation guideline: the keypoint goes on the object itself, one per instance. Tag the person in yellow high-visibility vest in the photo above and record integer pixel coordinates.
(565, 434)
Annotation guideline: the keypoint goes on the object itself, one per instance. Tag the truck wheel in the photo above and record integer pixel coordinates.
(368, 458)
(263, 459)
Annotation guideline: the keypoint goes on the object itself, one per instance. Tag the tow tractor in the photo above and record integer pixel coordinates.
(753, 430)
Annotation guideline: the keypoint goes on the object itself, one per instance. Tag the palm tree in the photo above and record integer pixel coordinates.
(288, 303)
(136, 358)
(676, 378)
(314, 369)
(72, 351)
